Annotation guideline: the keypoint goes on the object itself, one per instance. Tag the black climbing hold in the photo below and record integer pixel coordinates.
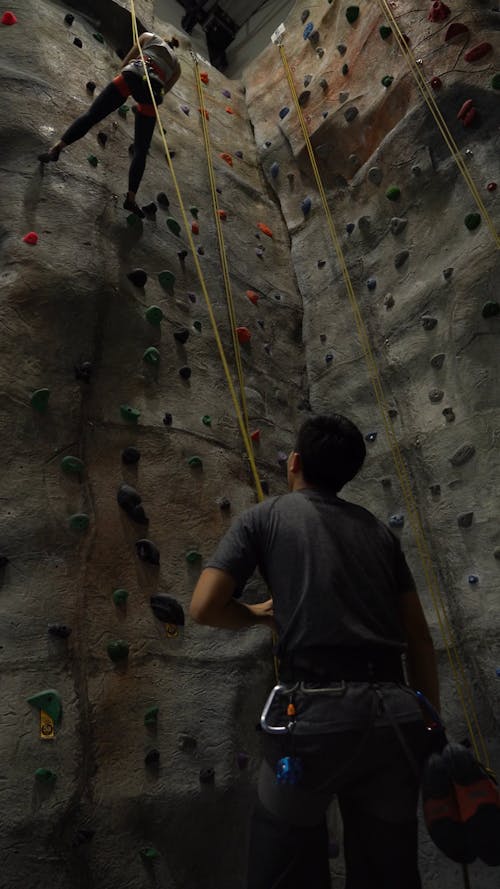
(342, 49)
(436, 395)
(370, 436)
(352, 14)
(397, 521)
(447, 273)
(69, 19)
(306, 206)
(345, 70)
(152, 758)
(207, 776)
(490, 310)
(130, 456)
(449, 414)
(389, 301)
(398, 225)
(61, 631)
(463, 455)
(350, 114)
(90, 86)
(3, 561)
(364, 223)
(167, 419)
(283, 112)
(323, 84)
(473, 579)
(46, 776)
(138, 277)
(386, 482)
(102, 139)
(435, 490)
(371, 283)
(437, 361)
(265, 487)
(167, 609)
(401, 258)
(185, 373)
(304, 16)
(83, 371)
(224, 503)
(392, 413)
(465, 519)
(350, 227)
(78, 42)
(147, 551)
(304, 98)
(181, 335)
(162, 199)
(307, 80)
(150, 209)
(130, 501)
(428, 323)
(187, 743)
(182, 254)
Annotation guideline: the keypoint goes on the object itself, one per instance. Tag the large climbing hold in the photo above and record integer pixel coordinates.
(72, 465)
(455, 30)
(154, 315)
(174, 226)
(243, 334)
(118, 650)
(438, 12)
(167, 609)
(138, 277)
(352, 14)
(8, 18)
(147, 551)
(40, 400)
(478, 52)
(79, 521)
(31, 238)
(130, 501)
(129, 413)
(50, 702)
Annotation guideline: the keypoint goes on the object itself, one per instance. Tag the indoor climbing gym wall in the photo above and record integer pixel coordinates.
(320, 235)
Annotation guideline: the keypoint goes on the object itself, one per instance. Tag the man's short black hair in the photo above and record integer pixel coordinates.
(332, 451)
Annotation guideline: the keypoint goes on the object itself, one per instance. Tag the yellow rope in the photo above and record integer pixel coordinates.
(438, 117)
(461, 682)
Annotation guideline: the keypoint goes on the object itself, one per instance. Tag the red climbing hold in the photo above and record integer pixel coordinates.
(227, 157)
(436, 83)
(195, 228)
(31, 238)
(205, 113)
(265, 229)
(438, 12)
(8, 18)
(253, 296)
(204, 77)
(455, 30)
(222, 214)
(469, 117)
(464, 109)
(243, 334)
(255, 435)
(492, 186)
(478, 52)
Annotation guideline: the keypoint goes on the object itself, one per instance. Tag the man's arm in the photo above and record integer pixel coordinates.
(422, 665)
(134, 52)
(213, 604)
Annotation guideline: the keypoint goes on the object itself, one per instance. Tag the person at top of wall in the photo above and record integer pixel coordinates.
(164, 71)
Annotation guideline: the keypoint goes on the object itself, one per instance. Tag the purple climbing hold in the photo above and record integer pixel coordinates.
(242, 759)
(350, 227)
(185, 108)
(238, 154)
(192, 297)
(226, 93)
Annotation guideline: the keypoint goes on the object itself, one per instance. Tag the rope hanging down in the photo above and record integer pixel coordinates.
(461, 682)
(438, 117)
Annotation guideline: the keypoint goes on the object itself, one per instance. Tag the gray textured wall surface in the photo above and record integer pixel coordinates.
(67, 299)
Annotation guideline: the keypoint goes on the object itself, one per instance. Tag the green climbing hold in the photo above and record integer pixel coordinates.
(151, 716)
(173, 225)
(129, 413)
(40, 399)
(133, 221)
(93, 161)
(387, 80)
(97, 36)
(154, 315)
(151, 355)
(393, 193)
(197, 326)
(120, 597)
(472, 221)
(195, 462)
(123, 110)
(496, 82)
(167, 280)
(385, 31)
(352, 14)
(193, 556)
(491, 310)
(118, 650)
(149, 853)
(206, 420)
(50, 702)
(79, 521)
(194, 212)
(72, 464)
(45, 776)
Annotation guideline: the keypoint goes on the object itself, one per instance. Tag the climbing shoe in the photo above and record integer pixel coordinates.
(49, 156)
(133, 207)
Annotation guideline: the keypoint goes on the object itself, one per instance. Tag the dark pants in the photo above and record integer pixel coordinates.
(377, 791)
(109, 100)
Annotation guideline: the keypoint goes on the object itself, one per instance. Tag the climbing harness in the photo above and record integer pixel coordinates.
(461, 682)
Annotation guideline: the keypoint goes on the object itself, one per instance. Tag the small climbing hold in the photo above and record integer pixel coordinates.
(195, 228)
(224, 503)
(456, 29)
(97, 36)
(401, 258)
(50, 702)
(436, 83)
(131, 414)
(306, 206)
(320, 51)
(197, 326)
(118, 650)
(351, 113)
(265, 229)
(252, 296)
(238, 154)
(329, 357)
(138, 277)
(345, 69)
(375, 175)
(466, 107)
(472, 221)
(123, 111)
(152, 759)
(207, 776)
(45, 776)
(371, 283)
(147, 551)
(283, 112)
(185, 372)
(195, 462)
(428, 323)
(174, 226)
(323, 84)
(439, 11)
(167, 280)
(90, 86)
(131, 456)
(387, 80)
(69, 19)
(463, 455)
(151, 716)
(435, 490)
(31, 238)
(393, 193)
(304, 98)
(167, 609)
(162, 199)
(181, 335)
(478, 52)
(222, 214)
(243, 334)
(385, 31)
(398, 225)
(342, 49)
(492, 186)
(307, 80)
(204, 113)
(352, 14)
(309, 28)
(40, 399)
(255, 435)
(447, 273)
(204, 77)
(389, 301)
(193, 556)
(167, 419)
(154, 315)
(397, 521)
(304, 16)
(151, 355)
(274, 169)
(436, 395)
(371, 436)
(201, 251)
(78, 42)
(227, 158)
(437, 361)
(464, 520)
(386, 482)
(350, 227)
(496, 552)
(449, 414)
(473, 579)
(226, 94)
(490, 310)
(60, 631)
(206, 420)
(72, 465)
(229, 110)
(120, 597)
(495, 82)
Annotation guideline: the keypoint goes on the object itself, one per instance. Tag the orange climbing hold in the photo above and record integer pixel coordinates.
(227, 157)
(195, 228)
(265, 229)
(253, 296)
(205, 113)
(229, 110)
(222, 214)
(243, 334)
(204, 77)
(255, 435)
(31, 238)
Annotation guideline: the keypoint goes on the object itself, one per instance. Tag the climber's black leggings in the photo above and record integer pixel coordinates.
(109, 100)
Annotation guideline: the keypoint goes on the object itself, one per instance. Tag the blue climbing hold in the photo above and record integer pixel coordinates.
(284, 111)
(306, 206)
(473, 578)
(309, 28)
(371, 436)
(274, 169)
(397, 521)
(371, 283)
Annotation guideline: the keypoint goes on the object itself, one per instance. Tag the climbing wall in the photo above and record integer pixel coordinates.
(128, 737)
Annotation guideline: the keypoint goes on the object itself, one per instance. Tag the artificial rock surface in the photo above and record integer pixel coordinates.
(67, 299)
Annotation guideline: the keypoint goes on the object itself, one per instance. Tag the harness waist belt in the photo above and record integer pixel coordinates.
(350, 665)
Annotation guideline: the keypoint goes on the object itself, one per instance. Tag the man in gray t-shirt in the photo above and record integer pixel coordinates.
(344, 609)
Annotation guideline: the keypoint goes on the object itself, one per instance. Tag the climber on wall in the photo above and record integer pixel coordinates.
(164, 70)
(344, 609)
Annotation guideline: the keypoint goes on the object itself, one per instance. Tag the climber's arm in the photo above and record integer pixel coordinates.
(134, 52)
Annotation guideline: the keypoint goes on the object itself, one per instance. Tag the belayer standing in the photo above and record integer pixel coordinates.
(345, 609)
(164, 71)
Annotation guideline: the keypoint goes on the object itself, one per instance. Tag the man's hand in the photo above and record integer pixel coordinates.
(265, 611)
(213, 604)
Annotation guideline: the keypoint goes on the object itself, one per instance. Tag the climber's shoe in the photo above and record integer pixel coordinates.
(51, 156)
(133, 207)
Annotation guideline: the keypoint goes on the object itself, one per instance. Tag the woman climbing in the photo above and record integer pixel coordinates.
(164, 70)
